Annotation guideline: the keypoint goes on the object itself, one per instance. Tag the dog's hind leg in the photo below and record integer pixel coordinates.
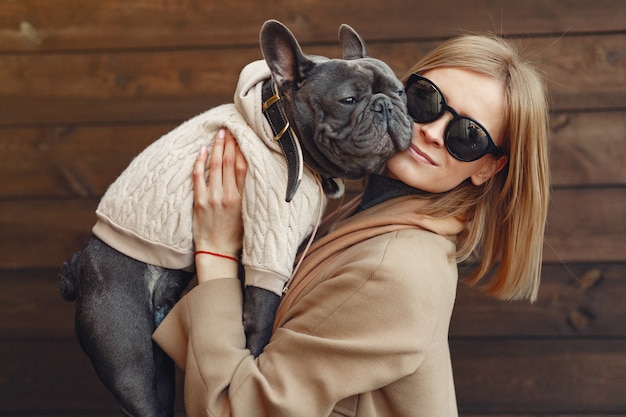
(114, 325)
(168, 290)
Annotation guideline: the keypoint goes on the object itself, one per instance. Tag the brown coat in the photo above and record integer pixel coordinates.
(363, 330)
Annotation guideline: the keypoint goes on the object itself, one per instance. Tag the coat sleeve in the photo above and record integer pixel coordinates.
(369, 323)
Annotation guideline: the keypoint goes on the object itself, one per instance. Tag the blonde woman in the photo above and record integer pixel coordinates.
(362, 329)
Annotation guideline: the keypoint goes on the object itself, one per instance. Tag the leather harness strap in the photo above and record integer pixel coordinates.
(284, 135)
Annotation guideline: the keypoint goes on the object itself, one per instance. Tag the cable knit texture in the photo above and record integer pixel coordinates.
(147, 212)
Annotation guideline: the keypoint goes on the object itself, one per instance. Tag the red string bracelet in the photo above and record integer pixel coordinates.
(219, 255)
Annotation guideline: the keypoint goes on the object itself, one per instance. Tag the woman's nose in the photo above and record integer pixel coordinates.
(434, 131)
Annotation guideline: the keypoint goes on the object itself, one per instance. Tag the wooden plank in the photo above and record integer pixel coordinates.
(586, 149)
(108, 87)
(41, 376)
(542, 377)
(575, 300)
(501, 376)
(31, 307)
(43, 233)
(166, 86)
(586, 225)
(583, 74)
(44, 376)
(69, 162)
(39, 25)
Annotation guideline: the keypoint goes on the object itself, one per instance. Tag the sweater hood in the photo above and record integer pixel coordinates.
(248, 100)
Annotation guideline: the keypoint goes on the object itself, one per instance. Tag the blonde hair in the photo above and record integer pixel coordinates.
(506, 217)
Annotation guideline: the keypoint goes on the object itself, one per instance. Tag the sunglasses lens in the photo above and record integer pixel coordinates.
(424, 102)
(466, 140)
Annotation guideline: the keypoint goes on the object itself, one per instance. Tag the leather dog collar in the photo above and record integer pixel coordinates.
(284, 135)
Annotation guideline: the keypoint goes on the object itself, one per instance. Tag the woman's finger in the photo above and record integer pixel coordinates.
(215, 160)
(199, 179)
(235, 163)
(229, 163)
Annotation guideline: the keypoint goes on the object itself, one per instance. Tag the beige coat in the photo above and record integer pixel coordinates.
(363, 330)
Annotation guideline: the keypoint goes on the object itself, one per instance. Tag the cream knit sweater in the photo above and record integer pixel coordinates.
(147, 212)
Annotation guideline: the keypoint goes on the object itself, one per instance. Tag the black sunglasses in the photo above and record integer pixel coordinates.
(465, 138)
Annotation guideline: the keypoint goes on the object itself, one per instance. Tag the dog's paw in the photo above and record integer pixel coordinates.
(259, 311)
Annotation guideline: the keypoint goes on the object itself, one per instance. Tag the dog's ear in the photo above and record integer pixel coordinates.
(352, 44)
(283, 54)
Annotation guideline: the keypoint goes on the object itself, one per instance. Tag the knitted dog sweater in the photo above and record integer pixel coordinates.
(147, 212)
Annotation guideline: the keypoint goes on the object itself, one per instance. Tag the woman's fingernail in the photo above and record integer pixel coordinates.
(222, 133)
(203, 150)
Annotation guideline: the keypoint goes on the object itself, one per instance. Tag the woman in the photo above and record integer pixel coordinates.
(363, 328)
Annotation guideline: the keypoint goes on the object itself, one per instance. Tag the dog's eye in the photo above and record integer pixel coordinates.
(348, 100)
(400, 93)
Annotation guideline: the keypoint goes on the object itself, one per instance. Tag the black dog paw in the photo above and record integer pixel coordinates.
(259, 310)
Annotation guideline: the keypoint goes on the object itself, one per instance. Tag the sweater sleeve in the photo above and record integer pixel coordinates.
(370, 322)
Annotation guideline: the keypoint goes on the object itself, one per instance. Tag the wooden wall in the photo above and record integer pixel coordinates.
(85, 85)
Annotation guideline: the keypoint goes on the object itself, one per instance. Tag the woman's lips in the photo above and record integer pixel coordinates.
(419, 155)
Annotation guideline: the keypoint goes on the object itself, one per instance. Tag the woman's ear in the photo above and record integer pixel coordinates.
(488, 170)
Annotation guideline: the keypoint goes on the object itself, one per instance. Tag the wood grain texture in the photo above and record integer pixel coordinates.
(575, 300)
(85, 86)
(586, 149)
(501, 376)
(79, 161)
(43, 233)
(40, 25)
(42, 375)
(540, 376)
(586, 226)
(583, 73)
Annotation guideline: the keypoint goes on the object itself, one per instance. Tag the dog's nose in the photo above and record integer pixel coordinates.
(382, 104)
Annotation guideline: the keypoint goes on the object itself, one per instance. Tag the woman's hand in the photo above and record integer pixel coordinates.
(217, 222)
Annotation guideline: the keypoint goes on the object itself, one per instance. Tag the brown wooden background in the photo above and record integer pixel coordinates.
(85, 85)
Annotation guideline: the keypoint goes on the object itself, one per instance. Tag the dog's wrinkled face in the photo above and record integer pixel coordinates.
(353, 116)
(350, 114)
